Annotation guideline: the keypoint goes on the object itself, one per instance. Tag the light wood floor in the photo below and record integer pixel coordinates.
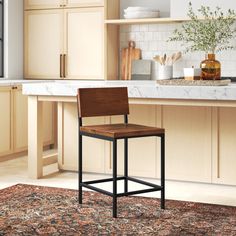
(15, 171)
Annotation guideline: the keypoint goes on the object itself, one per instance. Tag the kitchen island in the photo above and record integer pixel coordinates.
(199, 121)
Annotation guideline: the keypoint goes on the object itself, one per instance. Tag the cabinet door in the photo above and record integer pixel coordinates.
(93, 149)
(84, 43)
(188, 143)
(49, 118)
(142, 151)
(6, 121)
(43, 4)
(21, 122)
(86, 3)
(43, 44)
(224, 161)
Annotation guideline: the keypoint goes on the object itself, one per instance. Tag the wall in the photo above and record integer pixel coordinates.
(152, 40)
(13, 47)
(178, 9)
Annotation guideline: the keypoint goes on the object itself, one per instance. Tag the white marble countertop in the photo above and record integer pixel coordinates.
(136, 89)
(14, 82)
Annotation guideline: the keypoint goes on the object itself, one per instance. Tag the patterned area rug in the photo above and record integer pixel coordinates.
(32, 210)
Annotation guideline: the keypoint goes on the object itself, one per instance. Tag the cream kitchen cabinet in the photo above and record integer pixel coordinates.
(51, 4)
(43, 44)
(84, 43)
(188, 143)
(65, 43)
(143, 152)
(224, 155)
(14, 121)
(6, 103)
(94, 150)
(20, 121)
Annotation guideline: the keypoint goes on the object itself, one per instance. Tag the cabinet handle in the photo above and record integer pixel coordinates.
(64, 66)
(61, 66)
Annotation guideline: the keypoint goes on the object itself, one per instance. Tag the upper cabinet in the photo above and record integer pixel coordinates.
(52, 4)
(64, 43)
(84, 43)
(43, 44)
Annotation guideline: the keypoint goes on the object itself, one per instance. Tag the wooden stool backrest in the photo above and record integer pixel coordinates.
(102, 101)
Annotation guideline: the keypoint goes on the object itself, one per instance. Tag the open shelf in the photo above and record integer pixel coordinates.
(144, 21)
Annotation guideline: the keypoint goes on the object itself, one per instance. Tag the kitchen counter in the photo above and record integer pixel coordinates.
(15, 82)
(136, 89)
(200, 112)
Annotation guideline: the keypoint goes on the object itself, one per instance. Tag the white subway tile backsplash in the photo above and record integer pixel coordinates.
(153, 45)
(123, 37)
(143, 28)
(139, 36)
(152, 40)
(131, 36)
(148, 36)
(125, 28)
(153, 28)
(135, 28)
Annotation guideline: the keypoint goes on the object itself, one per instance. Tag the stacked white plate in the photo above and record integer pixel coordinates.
(141, 12)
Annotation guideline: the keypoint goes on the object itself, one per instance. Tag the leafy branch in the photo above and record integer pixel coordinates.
(210, 33)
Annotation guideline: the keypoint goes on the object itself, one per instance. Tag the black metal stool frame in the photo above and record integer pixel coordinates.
(126, 178)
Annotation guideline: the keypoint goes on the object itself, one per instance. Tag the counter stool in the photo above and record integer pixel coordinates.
(109, 102)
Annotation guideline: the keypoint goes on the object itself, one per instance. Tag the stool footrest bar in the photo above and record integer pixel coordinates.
(153, 188)
(142, 182)
(139, 191)
(97, 189)
(102, 180)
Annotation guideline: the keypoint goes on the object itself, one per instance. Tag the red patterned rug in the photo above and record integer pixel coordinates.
(33, 210)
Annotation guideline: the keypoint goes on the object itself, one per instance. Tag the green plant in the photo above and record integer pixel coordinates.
(211, 32)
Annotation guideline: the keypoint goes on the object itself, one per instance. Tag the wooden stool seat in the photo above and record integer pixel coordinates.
(122, 130)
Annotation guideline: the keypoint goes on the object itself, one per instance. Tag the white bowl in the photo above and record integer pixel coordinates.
(143, 14)
(134, 9)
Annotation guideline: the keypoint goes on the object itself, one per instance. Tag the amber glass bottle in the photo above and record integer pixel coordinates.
(211, 68)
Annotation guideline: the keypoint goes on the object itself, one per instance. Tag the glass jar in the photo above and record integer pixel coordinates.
(211, 68)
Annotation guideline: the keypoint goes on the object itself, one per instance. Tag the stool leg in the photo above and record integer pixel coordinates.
(80, 169)
(126, 164)
(115, 178)
(163, 171)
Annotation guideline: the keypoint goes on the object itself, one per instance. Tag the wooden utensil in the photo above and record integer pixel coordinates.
(177, 56)
(157, 58)
(128, 55)
(164, 59)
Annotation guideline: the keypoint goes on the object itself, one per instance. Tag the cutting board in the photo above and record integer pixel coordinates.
(127, 56)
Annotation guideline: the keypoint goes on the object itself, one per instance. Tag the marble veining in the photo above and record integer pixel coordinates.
(136, 89)
(15, 82)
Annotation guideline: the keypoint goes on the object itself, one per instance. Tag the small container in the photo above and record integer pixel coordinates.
(165, 72)
(211, 68)
(192, 73)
